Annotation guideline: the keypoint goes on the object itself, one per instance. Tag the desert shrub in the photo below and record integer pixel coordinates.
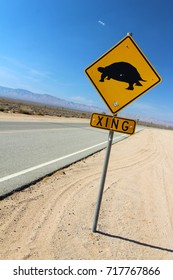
(26, 111)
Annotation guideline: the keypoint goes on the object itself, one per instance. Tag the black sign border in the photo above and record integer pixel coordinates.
(116, 111)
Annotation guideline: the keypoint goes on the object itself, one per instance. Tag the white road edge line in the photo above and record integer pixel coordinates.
(50, 162)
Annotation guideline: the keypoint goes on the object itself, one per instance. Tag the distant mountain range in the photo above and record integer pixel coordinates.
(46, 99)
(147, 120)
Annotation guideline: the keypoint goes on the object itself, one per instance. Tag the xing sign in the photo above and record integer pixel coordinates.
(113, 123)
(122, 75)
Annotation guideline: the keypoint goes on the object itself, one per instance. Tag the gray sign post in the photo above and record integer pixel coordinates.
(102, 182)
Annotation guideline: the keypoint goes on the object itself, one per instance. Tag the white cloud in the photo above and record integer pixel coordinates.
(82, 100)
(101, 22)
(144, 106)
(149, 110)
(23, 69)
(16, 74)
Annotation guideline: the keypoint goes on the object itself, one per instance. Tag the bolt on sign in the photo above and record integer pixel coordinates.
(122, 74)
(113, 123)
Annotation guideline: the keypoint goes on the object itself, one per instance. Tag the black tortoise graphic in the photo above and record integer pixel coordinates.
(121, 71)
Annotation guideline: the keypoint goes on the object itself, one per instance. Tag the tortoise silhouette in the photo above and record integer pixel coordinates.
(121, 71)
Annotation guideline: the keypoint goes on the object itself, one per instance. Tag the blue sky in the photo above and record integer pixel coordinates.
(46, 45)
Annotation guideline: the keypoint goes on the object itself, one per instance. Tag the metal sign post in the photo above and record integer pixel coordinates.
(120, 76)
(102, 182)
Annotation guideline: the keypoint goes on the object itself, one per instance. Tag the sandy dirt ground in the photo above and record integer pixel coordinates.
(53, 218)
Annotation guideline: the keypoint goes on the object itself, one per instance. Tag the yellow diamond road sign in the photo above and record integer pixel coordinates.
(122, 74)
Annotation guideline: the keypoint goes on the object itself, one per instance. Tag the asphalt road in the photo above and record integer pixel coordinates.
(31, 150)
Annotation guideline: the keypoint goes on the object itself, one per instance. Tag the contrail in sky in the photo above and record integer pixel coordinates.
(101, 22)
